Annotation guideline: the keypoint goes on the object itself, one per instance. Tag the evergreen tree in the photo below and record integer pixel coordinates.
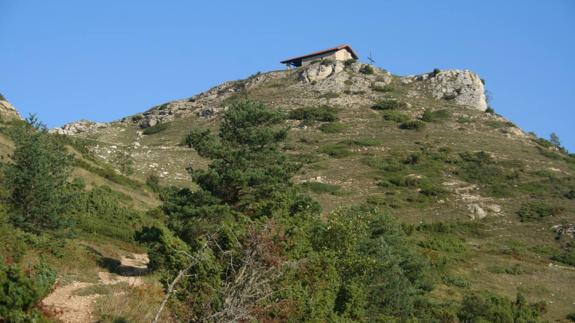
(554, 139)
(249, 172)
(36, 178)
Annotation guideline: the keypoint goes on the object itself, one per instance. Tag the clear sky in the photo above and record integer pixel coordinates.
(102, 60)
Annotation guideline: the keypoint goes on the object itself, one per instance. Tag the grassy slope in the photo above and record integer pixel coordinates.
(493, 244)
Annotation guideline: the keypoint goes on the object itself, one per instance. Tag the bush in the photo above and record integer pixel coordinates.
(20, 291)
(412, 125)
(321, 188)
(362, 142)
(433, 116)
(389, 105)
(567, 256)
(153, 182)
(456, 281)
(332, 127)
(336, 150)
(155, 129)
(489, 307)
(435, 72)
(349, 62)
(329, 95)
(490, 110)
(366, 69)
(308, 114)
(385, 88)
(395, 116)
(445, 243)
(536, 211)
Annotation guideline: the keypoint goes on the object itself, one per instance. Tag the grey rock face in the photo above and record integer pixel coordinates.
(460, 86)
(78, 127)
(7, 110)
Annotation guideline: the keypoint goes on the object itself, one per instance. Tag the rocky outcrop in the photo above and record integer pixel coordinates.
(78, 127)
(7, 110)
(460, 86)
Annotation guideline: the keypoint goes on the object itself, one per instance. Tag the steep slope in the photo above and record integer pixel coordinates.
(492, 204)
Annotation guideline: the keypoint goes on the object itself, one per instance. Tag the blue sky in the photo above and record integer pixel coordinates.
(102, 60)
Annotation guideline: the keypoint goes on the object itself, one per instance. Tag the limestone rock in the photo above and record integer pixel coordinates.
(77, 127)
(7, 110)
(460, 86)
(476, 212)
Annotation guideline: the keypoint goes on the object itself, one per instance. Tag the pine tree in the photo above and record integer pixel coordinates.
(554, 139)
(249, 172)
(36, 178)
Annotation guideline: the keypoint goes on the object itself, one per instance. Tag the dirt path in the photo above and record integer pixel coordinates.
(72, 308)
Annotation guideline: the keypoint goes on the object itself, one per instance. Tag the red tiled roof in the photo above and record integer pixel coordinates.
(334, 49)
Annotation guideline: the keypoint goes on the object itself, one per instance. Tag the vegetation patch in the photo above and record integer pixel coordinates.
(383, 88)
(329, 95)
(395, 116)
(155, 129)
(366, 69)
(533, 211)
(336, 150)
(434, 116)
(515, 269)
(412, 125)
(308, 114)
(332, 127)
(362, 142)
(322, 188)
(389, 104)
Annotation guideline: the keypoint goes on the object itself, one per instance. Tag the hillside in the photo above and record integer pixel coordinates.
(426, 148)
(490, 206)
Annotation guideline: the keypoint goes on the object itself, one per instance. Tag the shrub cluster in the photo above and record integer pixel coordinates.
(389, 105)
(155, 129)
(537, 210)
(433, 116)
(308, 114)
(412, 125)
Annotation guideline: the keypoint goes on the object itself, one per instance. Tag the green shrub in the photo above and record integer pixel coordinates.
(332, 127)
(20, 291)
(515, 269)
(490, 110)
(366, 69)
(389, 105)
(537, 210)
(155, 129)
(385, 88)
(395, 116)
(433, 116)
(412, 125)
(322, 188)
(329, 95)
(489, 307)
(349, 62)
(336, 150)
(435, 72)
(446, 243)
(153, 182)
(567, 256)
(308, 114)
(362, 142)
(456, 281)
